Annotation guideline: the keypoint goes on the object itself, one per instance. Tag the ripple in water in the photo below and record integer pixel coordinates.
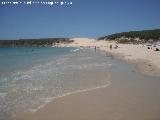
(30, 89)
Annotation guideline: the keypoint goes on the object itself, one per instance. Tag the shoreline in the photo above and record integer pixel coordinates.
(147, 61)
(144, 65)
(131, 95)
(70, 93)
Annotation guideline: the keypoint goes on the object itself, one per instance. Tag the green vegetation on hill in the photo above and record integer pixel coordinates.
(33, 42)
(144, 36)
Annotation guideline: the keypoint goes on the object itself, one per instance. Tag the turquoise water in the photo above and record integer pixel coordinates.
(32, 77)
(22, 71)
(22, 58)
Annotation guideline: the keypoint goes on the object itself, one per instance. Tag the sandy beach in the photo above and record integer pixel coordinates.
(131, 96)
(147, 60)
(80, 60)
(118, 102)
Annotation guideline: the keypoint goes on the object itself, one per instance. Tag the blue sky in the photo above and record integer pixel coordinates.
(84, 18)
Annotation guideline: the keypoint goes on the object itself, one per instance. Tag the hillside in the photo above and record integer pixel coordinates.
(33, 42)
(134, 36)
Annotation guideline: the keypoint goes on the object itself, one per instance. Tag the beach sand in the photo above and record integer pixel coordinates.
(131, 95)
(147, 60)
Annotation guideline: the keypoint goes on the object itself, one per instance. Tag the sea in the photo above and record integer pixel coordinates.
(31, 77)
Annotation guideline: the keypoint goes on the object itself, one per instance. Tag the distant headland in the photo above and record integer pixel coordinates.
(134, 36)
(45, 42)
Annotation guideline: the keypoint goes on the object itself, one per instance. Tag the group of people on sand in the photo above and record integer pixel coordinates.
(115, 47)
(111, 46)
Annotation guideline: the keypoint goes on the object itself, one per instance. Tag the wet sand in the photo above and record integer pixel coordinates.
(131, 96)
(147, 60)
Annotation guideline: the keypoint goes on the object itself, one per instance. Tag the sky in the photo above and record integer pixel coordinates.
(82, 18)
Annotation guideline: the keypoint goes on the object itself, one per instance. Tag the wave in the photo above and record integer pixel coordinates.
(32, 88)
(48, 100)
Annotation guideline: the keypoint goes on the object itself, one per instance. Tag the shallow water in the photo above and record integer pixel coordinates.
(32, 77)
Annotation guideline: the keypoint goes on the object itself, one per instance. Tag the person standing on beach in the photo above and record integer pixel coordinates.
(116, 46)
(95, 48)
(110, 47)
